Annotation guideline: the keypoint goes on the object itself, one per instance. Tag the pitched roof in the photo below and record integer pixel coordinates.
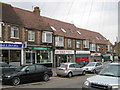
(72, 31)
(31, 20)
(9, 15)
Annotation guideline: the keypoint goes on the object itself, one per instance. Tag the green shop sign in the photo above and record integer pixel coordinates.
(40, 48)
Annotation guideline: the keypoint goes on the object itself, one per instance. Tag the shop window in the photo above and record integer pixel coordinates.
(14, 32)
(69, 43)
(43, 56)
(59, 41)
(77, 44)
(47, 37)
(31, 36)
(0, 29)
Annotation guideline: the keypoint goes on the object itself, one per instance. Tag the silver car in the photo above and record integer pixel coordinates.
(69, 69)
(107, 79)
(94, 67)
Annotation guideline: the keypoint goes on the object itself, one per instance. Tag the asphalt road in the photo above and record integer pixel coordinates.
(54, 82)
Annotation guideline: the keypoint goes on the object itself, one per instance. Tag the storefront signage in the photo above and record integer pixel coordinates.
(64, 51)
(95, 54)
(82, 52)
(10, 45)
(40, 48)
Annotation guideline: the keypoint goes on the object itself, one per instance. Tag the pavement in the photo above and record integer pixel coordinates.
(54, 71)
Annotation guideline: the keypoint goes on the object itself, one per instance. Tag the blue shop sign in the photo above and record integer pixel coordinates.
(10, 45)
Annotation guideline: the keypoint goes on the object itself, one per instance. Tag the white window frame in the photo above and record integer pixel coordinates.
(59, 41)
(0, 29)
(108, 48)
(77, 44)
(31, 36)
(98, 48)
(13, 35)
(69, 43)
(53, 28)
(46, 38)
(86, 43)
(63, 30)
(92, 47)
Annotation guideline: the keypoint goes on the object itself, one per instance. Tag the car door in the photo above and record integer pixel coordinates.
(29, 73)
(73, 69)
(98, 67)
(78, 69)
(40, 70)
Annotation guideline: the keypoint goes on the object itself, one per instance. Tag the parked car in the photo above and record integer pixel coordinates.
(4, 67)
(69, 69)
(27, 73)
(107, 79)
(93, 67)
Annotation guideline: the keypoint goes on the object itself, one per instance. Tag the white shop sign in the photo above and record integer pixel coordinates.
(64, 51)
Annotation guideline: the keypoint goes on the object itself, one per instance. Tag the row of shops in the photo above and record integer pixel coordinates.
(18, 54)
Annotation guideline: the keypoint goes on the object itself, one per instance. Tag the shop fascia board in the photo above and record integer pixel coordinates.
(10, 42)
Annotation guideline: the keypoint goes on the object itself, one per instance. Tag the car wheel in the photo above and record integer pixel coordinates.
(94, 71)
(16, 81)
(46, 77)
(70, 75)
(84, 73)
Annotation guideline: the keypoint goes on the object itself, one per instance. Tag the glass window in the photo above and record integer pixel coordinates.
(63, 30)
(31, 68)
(39, 67)
(47, 37)
(0, 29)
(53, 28)
(77, 44)
(14, 32)
(72, 66)
(69, 43)
(86, 43)
(59, 41)
(31, 36)
(43, 56)
(92, 47)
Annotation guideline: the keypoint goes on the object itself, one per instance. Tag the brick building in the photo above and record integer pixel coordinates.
(27, 37)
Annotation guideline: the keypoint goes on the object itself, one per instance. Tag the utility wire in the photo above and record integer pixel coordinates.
(89, 12)
(69, 9)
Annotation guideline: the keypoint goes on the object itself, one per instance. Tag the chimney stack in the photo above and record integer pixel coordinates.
(36, 10)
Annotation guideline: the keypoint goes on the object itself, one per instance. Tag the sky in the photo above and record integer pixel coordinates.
(95, 15)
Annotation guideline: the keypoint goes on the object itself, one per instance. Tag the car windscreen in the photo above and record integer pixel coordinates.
(111, 70)
(91, 64)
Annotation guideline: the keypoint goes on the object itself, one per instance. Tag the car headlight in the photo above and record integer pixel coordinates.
(7, 76)
(117, 87)
(87, 83)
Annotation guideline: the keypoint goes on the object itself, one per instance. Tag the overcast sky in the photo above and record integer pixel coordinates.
(96, 15)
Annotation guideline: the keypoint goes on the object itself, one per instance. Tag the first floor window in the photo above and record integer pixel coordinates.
(14, 32)
(59, 41)
(31, 36)
(47, 37)
(86, 43)
(0, 29)
(69, 43)
(77, 44)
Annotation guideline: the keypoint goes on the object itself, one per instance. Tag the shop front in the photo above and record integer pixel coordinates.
(96, 57)
(64, 56)
(82, 57)
(42, 55)
(11, 53)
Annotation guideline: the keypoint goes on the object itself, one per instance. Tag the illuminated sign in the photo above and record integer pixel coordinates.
(10, 45)
(64, 51)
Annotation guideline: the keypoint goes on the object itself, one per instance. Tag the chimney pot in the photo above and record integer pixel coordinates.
(36, 10)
